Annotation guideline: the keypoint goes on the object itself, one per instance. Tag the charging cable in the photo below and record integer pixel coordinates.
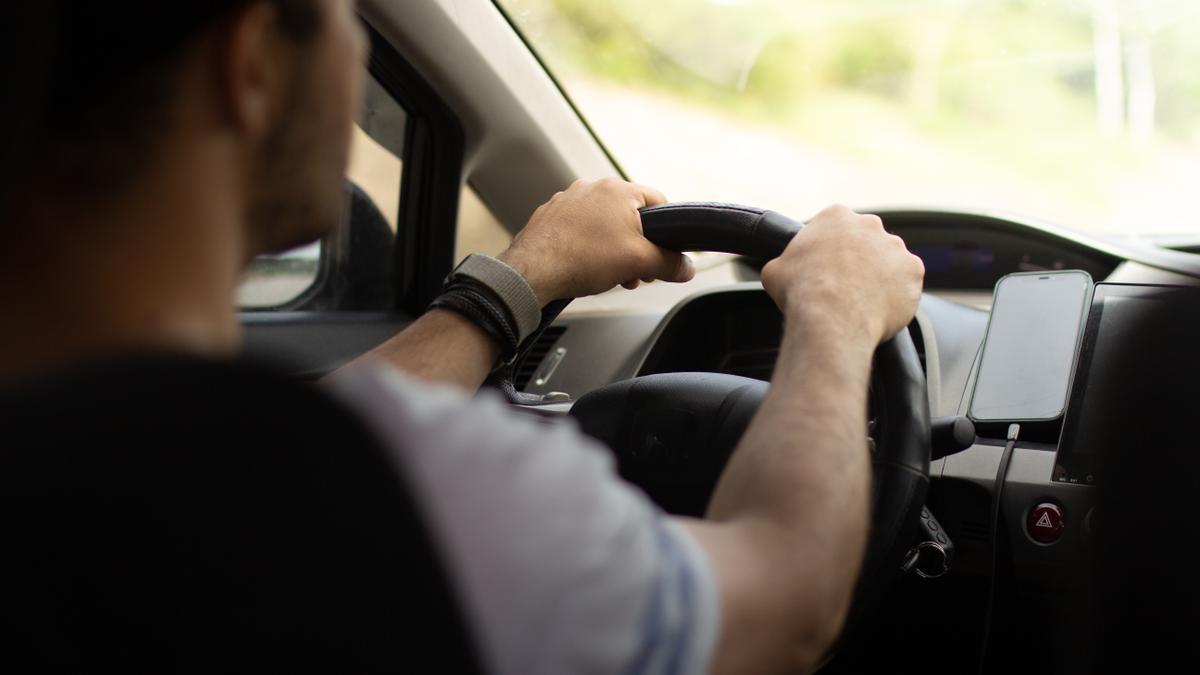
(1014, 430)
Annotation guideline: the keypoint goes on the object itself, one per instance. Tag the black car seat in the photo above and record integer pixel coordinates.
(169, 514)
(358, 260)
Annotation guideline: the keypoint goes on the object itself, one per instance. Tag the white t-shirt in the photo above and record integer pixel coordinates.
(563, 568)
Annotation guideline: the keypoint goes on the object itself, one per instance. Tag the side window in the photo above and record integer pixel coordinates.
(352, 268)
(478, 230)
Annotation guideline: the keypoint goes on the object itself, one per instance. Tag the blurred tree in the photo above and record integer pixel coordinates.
(1110, 85)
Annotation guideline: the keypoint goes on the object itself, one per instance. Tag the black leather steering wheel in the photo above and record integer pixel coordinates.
(673, 433)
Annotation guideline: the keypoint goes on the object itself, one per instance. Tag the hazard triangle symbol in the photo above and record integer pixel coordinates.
(1044, 521)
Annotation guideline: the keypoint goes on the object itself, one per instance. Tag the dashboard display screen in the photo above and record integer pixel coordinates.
(1137, 369)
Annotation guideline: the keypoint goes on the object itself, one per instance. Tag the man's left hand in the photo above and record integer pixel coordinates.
(588, 239)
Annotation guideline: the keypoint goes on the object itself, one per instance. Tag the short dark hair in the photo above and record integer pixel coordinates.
(92, 81)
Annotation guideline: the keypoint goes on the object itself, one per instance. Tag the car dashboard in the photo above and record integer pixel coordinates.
(690, 328)
(735, 328)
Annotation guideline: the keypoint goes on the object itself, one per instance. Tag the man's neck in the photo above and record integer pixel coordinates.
(153, 271)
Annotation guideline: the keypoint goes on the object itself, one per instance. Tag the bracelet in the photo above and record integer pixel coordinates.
(508, 290)
(473, 303)
(483, 299)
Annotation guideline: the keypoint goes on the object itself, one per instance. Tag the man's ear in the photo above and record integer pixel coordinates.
(254, 67)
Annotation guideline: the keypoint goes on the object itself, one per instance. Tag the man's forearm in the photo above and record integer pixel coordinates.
(443, 346)
(805, 451)
(585, 240)
(792, 504)
(440, 346)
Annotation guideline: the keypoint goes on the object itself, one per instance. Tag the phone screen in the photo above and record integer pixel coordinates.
(1030, 346)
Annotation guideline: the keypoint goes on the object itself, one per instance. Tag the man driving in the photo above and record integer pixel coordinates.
(159, 163)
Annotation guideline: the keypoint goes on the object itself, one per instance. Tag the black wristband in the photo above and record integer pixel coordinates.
(490, 302)
(474, 304)
(495, 312)
(505, 288)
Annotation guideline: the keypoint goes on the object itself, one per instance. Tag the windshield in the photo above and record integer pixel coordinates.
(1084, 113)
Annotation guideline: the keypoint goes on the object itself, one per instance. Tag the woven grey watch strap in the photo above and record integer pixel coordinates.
(509, 286)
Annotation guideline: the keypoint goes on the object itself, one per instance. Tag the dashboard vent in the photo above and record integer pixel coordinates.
(529, 365)
(753, 363)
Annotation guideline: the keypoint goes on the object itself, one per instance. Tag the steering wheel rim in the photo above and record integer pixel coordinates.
(900, 458)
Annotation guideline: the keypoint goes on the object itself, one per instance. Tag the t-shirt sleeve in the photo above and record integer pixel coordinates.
(563, 567)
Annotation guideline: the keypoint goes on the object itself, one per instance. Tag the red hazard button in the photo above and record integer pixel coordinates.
(1045, 523)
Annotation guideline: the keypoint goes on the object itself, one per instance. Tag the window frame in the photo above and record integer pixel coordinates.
(434, 145)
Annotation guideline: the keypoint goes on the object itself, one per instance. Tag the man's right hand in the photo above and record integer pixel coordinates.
(843, 272)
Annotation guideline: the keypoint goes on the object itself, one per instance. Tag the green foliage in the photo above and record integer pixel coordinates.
(785, 72)
(872, 59)
(1015, 47)
(881, 78)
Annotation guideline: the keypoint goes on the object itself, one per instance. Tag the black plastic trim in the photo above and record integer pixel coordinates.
(429, 192)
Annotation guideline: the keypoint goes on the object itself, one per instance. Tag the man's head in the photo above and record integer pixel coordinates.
(269, 87)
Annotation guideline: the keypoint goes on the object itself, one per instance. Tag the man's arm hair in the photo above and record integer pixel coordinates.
(786, 528)
(787, 525)
(441, 346)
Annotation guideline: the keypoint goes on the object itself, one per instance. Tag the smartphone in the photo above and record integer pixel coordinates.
(1030, 346)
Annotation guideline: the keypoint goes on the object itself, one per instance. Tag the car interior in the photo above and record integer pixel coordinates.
(992, 547)
(965, 572)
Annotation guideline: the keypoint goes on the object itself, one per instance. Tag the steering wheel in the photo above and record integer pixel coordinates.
(673, 433)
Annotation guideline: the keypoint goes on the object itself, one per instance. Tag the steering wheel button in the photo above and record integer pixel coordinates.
(1045, 523)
